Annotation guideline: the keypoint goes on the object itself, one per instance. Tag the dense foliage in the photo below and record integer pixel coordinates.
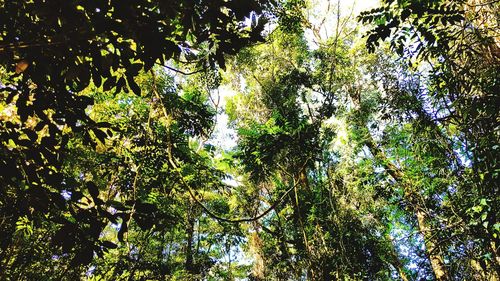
(365, 147)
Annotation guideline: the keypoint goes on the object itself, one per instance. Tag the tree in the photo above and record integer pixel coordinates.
(355, 158)
(282, 119)
(458, 40)
(50, 51)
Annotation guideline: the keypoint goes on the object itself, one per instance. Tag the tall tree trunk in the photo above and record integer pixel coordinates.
(258, 269)
(430, 241)
(189, 249)
(304, 184)
(486, 271)
(436, 259)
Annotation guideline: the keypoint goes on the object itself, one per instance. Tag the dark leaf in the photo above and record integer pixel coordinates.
(109, 84)
(93, 190)
(109, 245)
(100, 135)
(84, 256)
(133, 69)
(133, 85)
(123, 230)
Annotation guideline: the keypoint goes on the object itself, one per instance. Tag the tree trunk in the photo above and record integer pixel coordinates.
(430, 241)
(189, 249)
(435, 258)
(258, 269)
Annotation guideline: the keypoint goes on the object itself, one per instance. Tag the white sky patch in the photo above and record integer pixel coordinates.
(223, 137)
(326, 13)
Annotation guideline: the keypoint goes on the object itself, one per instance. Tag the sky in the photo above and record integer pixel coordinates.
(345, 5)
(324, 13)
(360, 5)
(225, 137)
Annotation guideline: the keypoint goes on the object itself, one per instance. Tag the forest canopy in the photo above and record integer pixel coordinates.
(249, 140)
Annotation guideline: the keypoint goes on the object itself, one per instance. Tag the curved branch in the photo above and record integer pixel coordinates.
(192, 192)
(237, 220)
